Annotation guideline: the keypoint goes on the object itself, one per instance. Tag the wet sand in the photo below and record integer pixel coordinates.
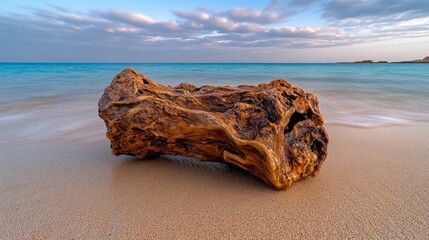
(374, 184)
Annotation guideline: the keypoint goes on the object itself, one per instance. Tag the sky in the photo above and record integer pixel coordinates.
(213, 30)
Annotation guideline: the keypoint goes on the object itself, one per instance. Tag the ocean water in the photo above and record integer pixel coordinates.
(50, 101)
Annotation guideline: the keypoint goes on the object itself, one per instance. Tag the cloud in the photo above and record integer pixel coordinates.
(205, 28)
(254, 16)
(350, 22)
(379, 20)
(344, 9)
(132, 18)
(364, 14)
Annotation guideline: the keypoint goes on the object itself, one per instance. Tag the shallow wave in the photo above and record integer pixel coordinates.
(356, 96)
(369, 121)
(62, 118)
(372, 112)
(43, 119)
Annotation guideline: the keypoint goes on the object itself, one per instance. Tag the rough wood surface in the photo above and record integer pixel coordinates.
(274, 131)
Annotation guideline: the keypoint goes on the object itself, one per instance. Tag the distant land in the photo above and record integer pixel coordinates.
(424, 60)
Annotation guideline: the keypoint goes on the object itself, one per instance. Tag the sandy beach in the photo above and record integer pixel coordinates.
(372, 185)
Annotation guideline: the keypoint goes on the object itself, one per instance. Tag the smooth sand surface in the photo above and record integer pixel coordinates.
(374, 184)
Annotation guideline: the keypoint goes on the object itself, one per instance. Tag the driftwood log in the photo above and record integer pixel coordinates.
(274, 131)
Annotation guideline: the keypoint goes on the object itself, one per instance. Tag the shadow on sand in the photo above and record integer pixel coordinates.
(165, 171)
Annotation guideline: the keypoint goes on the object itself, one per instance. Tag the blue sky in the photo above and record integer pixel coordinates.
(213, 31)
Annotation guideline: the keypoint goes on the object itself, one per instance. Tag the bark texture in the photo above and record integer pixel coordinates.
(274, 131)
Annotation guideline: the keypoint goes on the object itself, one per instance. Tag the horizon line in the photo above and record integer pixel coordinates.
(76, 62)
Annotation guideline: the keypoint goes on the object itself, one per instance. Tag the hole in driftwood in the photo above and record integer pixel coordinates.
(294, 119)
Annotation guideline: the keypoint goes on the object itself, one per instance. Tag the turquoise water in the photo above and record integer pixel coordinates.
(47, 100)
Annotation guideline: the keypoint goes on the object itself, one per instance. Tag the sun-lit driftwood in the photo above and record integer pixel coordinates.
(274, 131)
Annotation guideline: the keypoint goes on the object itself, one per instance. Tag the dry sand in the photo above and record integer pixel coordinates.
(374, 184)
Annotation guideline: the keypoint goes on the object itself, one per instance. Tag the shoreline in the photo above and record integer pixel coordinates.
(373, 184)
